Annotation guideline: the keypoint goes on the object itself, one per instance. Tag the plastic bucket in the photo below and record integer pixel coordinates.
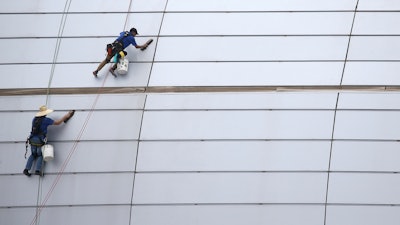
(122, 66)
(48, 152)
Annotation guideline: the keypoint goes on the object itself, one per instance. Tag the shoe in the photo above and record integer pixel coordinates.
(26, 172)
(37, 172)
(95, 73)
(112, 72)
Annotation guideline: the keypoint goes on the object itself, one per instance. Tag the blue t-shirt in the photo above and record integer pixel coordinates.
(45, 123)
(128, 40)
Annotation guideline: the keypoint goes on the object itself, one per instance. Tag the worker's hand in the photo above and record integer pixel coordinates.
(70, 115)
(146, 45)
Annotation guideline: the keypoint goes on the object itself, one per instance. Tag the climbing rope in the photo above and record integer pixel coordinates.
(58, 43)
(53, 65)
(71, 152)
(41, 204)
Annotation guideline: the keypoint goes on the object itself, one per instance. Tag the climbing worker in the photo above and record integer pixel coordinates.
(37, 138)
(125, 39)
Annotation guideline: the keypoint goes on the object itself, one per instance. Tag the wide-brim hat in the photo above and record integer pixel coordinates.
(43, 110)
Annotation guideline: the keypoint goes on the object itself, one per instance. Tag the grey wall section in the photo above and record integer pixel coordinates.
(320, 150)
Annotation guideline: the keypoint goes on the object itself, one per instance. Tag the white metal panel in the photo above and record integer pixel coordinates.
(94, 50)
(230, 188)
(77, 189)
(145, 23)
(379, 5)
(12, 159)
(37, 51)
(101, 101)
(255, 100)
(246, 73)
(365, 156)
(94, 24)
(100, 125)
(99, 6)
(362, 188)
(368, 23)
(110, 156)
(261, 23)
(23, 121)
(67, 75)
(42, 25)
(17, 215)
(371, 73)
(363, 215)
(149, 5)
(256, 5)
(22, 103)
(372, 100)
(251, 48)
(367, 125)
(19, 6)
(237, 125)
(69, 102)
(96, 125)
(228, 214)
(374, 48)
(100, 215)
(224, 156)
(105, 24)
(18, 190)
(25, 76)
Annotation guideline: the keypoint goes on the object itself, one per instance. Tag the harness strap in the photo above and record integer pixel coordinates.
(120, 41)
(26, 146)
(35, 132)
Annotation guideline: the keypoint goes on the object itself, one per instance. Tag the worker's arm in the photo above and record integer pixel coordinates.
(145, 45)
(64, 118)
(141, 46)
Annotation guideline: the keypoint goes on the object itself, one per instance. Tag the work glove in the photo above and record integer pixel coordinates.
(71, 114)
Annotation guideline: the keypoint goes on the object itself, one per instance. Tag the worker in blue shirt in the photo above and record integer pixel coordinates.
(124, 40)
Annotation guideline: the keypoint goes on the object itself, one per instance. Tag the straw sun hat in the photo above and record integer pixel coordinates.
(43, 110)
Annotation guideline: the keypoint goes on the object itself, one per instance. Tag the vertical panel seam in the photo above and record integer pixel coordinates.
(144, 107)
(348, 43)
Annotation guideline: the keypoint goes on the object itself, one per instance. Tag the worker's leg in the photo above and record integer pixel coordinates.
(102, 64)
(31, 158)
(115, 66)
(39, 160)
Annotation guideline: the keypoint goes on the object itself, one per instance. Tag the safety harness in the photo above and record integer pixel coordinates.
(37, 137)
(118, 44)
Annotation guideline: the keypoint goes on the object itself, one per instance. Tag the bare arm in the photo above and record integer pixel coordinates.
(141, 46)
(65, 117)
(145, 45)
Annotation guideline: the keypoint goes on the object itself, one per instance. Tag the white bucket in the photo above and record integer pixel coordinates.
(48, 152)
(122, 66)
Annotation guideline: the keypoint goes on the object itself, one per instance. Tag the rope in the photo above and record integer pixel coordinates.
(81, 132)
(127, 14)
(40, 193)
(71, 152)
(53, 65)
(58, 43)
(73, 148)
